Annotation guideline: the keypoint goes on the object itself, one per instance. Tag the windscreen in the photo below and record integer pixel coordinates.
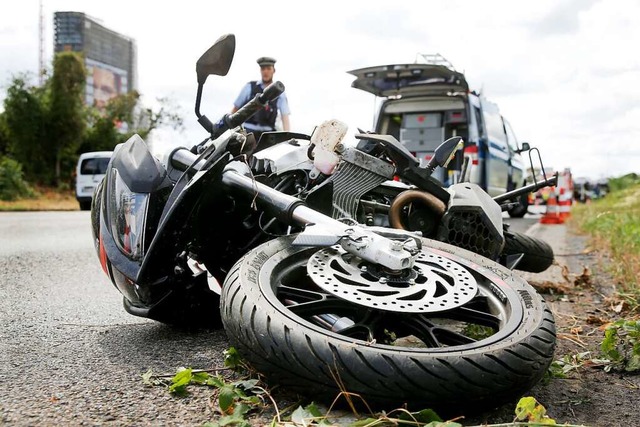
(94, 166)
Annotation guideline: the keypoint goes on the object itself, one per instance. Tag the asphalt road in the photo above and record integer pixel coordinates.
(69, 353)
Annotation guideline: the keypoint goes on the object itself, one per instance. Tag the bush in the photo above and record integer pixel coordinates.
(12, 183)
(624, 181)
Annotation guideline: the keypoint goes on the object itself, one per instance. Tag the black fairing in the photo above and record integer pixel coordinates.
(138, 168)
(142, 173)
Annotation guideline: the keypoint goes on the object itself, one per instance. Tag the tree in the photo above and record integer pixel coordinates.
(4, 135)
(25, 122)
(126, 111)
(67, 122)
(46, 128)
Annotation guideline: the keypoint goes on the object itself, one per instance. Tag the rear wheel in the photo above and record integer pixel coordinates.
(318, 321)
(85, 205)
(521, 209)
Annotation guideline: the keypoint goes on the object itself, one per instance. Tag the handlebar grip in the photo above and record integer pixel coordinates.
(270, 93)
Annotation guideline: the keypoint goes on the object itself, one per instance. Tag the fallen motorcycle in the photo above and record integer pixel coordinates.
(379, 182)
(315, 303)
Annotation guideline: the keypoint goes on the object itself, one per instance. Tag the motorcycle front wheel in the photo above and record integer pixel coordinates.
(464, 347)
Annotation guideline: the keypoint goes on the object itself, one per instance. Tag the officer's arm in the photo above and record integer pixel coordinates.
(283, 106)
(285, 123)
(242, 98)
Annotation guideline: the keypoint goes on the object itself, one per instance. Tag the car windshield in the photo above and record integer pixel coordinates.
(95, 166)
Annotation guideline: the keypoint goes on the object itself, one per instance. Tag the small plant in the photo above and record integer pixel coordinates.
(621, 345)
(235, 398)
(478, 332)
(528, 409)
(573, 362)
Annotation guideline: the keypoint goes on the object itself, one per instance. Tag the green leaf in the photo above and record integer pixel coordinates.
(525, 406)
(313, 409)
(633, 364)
(609, 342)
(236, 418)
(232, 420)
(226, 398)
(180, 381)
(423, 416)
(246, 384)
(200, 377)
(443, 424)
(302, 417)
(216, 381)
(367, 422)
(232, 358)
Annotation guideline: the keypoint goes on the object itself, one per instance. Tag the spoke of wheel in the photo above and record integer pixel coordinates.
(307, 303)
(477, 317)
(359, 331)
(450, 337)
(300, 294)
(421, 327)
(365, 326)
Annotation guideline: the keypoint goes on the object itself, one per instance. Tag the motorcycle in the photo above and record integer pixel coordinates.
(379, 182)
(315, 302)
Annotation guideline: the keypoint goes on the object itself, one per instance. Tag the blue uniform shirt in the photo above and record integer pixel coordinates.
(245, 96)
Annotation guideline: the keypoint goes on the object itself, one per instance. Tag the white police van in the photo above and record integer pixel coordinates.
(425, 104)
(90, 170)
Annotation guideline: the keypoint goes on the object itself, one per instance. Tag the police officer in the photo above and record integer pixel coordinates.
(265, 119)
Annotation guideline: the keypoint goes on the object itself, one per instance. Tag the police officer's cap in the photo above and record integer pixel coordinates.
(265, 61)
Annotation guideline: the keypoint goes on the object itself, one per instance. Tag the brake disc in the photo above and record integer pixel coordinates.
(433, 284)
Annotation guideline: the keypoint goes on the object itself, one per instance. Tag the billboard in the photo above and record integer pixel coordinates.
(104, 82)
(110, 57)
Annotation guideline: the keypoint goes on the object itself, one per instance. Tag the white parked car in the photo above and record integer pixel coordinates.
(90, 170)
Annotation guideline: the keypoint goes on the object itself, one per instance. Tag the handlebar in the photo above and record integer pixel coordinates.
(229, 121)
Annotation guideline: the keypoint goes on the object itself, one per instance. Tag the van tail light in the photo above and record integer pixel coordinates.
(472, 152)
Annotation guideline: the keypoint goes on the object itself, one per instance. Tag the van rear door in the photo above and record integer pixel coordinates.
(409, 79)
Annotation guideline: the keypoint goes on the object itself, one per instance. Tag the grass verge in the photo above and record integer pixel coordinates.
(613, 224)
(46, 199)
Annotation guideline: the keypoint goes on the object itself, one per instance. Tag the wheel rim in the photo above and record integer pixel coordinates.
(434, 284)
(492, 314)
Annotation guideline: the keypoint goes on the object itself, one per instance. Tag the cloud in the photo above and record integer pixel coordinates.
(563, 18)
(563, 73)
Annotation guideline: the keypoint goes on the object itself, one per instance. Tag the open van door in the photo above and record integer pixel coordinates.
(409, 79)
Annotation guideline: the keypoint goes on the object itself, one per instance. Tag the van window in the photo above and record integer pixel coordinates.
(511, 136)
(95, 166)
(479, 122)
(495, 127)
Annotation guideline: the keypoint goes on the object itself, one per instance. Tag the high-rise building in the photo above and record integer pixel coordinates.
(110, 58)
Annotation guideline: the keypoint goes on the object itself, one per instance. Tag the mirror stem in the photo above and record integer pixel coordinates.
(198, 100)
(203, 120)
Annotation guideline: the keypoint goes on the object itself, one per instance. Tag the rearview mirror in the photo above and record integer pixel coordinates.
(217, 59)
(524, 147)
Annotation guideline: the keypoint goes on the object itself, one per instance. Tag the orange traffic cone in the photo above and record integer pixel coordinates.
(564, 204)
(552, 215)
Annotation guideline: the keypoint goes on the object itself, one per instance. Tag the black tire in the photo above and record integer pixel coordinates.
(85, 205)
(537, 254)
(293, 351)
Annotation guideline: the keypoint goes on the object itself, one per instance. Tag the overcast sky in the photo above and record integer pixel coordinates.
(564, 73)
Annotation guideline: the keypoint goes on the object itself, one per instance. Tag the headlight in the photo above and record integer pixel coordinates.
(128, 216)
